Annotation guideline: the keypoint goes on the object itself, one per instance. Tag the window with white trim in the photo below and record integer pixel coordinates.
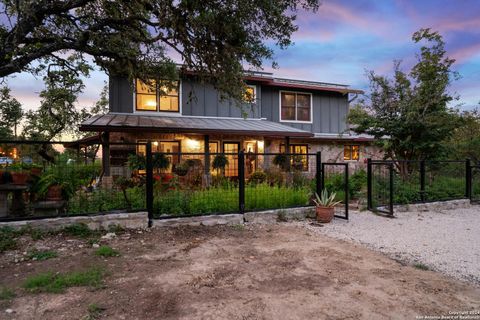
(157, 96)
(295, 106)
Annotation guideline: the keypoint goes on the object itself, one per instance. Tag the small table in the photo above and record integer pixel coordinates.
(18, 204)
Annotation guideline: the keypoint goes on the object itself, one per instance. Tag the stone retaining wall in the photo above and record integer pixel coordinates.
(211, 220)
(272, 216)
(433, 206)
(133, 220)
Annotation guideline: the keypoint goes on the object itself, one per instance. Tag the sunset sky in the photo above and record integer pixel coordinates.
(345, 38)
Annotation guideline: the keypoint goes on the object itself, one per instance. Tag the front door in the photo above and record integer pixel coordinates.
(231, 150)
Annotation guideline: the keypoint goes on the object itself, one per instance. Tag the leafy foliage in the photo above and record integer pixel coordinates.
(465, 141)
(10, 114)
(409, 114)
(106, 251)
(215, 39)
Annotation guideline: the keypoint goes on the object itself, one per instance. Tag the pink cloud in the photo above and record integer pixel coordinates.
(465, 53)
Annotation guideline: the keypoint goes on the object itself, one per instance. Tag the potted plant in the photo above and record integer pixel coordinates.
(35, 169)
(325, 206)
(219, 162)
(160, 161)
(19, 175)
(182, 168)
(54, 186)
(136, 163)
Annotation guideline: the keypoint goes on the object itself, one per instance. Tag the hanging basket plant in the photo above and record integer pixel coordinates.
(160, 161)
(281, 161)
(220, 161)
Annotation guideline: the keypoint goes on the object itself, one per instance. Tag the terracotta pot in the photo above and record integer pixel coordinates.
(20, 178)
(325, 214)
(36, 171)
(54, 193)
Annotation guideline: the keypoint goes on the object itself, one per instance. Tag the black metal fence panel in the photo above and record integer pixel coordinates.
(409, 182)
(335, 179)
(380, 180)
(474, 187)
(49, 179)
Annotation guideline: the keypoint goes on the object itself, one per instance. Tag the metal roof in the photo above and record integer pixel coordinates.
(185, 124)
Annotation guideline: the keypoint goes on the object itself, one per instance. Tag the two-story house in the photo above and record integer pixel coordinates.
(302, 116)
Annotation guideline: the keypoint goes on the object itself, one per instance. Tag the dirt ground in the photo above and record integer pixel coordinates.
(232, 272)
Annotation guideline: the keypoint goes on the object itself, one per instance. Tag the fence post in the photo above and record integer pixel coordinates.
(369, 184)
(241, 181)
(391, 188)
(347, 192)
(149, 182)
(318, 173)
(468, 179)
(422, 180)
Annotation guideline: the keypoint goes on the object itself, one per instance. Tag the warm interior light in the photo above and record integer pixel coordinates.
(155, 143)
(260, 146)
(151, 103)
(193, 144)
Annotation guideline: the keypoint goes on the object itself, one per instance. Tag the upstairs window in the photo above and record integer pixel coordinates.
(250, 94)
(295, 107)
(351, 152)
(157, 96)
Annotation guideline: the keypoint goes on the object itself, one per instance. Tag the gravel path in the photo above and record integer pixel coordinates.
(445, 241)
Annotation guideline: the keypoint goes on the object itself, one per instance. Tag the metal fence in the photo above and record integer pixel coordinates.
(41, 179)
(408, 182)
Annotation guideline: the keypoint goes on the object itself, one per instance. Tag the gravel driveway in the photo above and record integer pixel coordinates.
(447, 241)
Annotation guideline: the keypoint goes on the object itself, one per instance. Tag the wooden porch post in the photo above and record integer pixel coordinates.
(106, 154)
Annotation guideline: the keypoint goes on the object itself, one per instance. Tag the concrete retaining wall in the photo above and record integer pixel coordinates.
(125, 220)
(212, 220)
(433, 206)
(272, 216)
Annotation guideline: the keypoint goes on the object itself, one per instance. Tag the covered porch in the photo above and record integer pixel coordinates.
(182, 138)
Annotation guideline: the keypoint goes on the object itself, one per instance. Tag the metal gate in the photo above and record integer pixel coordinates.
(474, 185)
(340, 170)
(380, 186)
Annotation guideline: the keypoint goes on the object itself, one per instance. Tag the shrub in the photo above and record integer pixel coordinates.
(106, 251)
(258, 177)
(7, 239)
(80, 230)
(275, 177)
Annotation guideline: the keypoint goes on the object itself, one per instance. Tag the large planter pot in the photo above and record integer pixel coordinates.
(54, 193)
(325, 214)
(36, 171)
(19, 178)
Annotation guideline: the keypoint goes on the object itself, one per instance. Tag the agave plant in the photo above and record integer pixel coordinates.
(326, 200)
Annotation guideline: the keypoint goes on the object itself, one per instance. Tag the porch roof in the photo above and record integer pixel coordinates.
(183, 124)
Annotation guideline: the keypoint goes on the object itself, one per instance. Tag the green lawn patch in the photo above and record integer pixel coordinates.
(7, 239)
(6, 293)
(421, 266)
(80, 230)
(57, 283)
(106, 251)
(41, 255)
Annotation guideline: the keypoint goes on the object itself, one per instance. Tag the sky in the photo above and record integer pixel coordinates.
(344, 39)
